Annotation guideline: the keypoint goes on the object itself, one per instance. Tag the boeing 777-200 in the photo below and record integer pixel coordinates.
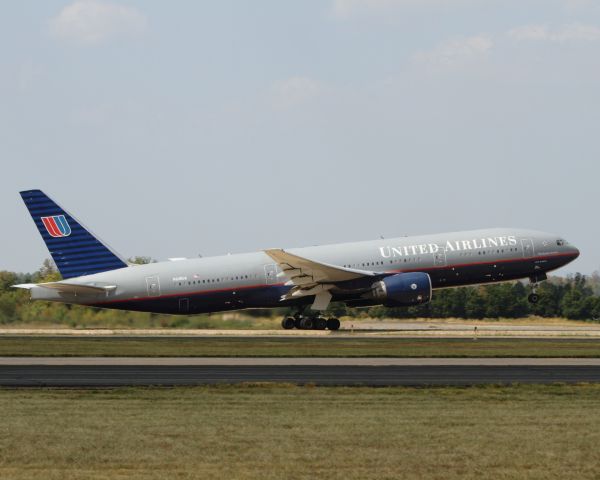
(393, 272)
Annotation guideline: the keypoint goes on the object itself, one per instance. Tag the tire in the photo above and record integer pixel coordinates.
(306, 323)
(333, 324)
(288, 323)
(298, 322)
(533, 298)
(320, 323)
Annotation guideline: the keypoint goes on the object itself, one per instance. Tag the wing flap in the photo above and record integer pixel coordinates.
(294, 266)
(310, 277)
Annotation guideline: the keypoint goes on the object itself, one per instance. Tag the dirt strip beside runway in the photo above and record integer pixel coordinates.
(298, 361)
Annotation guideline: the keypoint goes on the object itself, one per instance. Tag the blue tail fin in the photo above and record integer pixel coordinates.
(74, 249)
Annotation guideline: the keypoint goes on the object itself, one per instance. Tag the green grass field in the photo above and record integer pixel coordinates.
(289, 432)
(297, 346)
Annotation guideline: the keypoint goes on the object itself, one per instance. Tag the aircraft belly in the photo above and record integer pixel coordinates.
(205, 302)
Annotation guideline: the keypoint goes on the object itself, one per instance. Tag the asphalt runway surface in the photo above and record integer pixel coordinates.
(110, 372)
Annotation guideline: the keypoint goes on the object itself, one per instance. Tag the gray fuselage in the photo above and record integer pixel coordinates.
(254, 280)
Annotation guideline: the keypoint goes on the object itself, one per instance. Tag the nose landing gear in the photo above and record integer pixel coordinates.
(533, 298)
(534, 281)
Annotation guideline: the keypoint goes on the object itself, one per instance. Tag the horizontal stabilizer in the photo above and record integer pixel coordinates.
(70, 288)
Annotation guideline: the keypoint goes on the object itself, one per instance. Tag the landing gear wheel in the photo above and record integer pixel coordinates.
(298, 322)
(306, 323)
(333, 324)
(533, 298)
(320, 323)
(288, 323)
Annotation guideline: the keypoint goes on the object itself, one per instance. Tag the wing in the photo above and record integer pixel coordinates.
(309, 277)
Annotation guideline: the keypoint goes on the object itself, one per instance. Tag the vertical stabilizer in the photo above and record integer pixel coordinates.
(74, 249)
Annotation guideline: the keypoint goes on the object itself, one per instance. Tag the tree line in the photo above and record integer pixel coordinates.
(574, 297)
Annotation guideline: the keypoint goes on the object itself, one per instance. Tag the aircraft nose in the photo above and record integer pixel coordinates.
(575, 252)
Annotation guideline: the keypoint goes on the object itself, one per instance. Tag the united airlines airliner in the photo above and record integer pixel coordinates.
(394, 272)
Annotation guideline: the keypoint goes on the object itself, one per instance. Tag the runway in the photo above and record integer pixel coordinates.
(110, 372)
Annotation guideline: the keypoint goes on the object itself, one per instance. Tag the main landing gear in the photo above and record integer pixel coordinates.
(310, 323)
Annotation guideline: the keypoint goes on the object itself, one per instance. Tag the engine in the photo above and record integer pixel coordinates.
(403, 290)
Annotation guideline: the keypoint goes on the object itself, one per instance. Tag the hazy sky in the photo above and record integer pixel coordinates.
(185, 127)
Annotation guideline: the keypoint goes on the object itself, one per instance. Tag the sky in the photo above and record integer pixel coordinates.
(185, 128)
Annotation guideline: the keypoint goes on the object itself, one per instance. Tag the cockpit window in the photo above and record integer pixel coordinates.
(560, 243)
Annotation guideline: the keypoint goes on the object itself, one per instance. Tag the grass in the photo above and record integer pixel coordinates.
(274, 432)
(298, 346)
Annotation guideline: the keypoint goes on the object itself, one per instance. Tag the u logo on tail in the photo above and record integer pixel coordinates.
(57, 226)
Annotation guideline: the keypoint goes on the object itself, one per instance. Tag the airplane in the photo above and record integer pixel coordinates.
(396, 272)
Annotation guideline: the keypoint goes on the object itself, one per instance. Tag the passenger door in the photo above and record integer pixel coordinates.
(439, 258)
(271, 273)
(153, 286)
(527, 245)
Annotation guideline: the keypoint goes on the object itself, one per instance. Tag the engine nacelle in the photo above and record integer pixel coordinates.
(403, 289)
